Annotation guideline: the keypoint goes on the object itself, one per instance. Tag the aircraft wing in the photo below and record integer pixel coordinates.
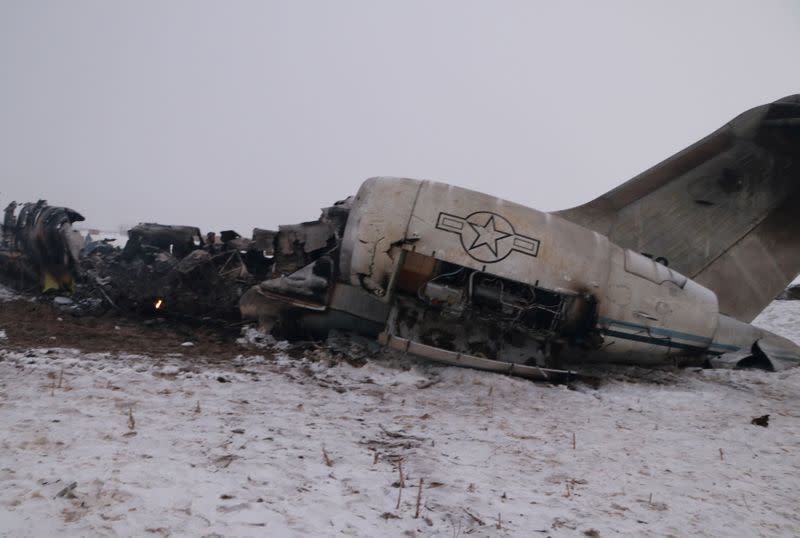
(725, 211)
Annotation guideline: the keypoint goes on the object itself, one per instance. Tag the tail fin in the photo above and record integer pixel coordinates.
(725, 211)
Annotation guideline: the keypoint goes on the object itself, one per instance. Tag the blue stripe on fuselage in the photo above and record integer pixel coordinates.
(667, 333)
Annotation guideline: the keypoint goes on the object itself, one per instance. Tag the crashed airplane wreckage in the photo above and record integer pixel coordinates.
(45, 237)
(668, 268)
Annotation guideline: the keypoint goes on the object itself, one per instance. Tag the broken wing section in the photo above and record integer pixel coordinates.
(723, 211)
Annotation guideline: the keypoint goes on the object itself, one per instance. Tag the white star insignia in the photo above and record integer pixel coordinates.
(488, 235)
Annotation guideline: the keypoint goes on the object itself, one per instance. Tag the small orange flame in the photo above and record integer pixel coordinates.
(158, 304)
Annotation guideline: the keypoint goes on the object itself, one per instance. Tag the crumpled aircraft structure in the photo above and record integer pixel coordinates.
(668, 268)
(44, 234)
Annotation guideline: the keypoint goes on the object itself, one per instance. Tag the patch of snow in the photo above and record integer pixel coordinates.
(170, 370)
(253, 337)
(3, 335)
(782, 318)
(263, 445)
(646, 458)
(6, 294)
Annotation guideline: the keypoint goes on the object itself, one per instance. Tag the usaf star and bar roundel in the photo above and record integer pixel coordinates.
(487, 237)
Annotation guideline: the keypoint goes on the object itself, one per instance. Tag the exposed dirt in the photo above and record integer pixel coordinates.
(34, 325)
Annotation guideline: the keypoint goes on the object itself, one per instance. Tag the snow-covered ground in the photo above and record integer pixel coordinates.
(782, 318)
(274, 446)
(6, 294)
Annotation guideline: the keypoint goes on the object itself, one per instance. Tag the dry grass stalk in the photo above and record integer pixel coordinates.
(400, 484)
(573, 440)
(197, 407)
(131, 420)
(475, 518)
(327, 458)
(419, 499)
(60, 378)
(499, 525)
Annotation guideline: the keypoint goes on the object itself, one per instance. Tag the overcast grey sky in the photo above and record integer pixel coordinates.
(242, 114)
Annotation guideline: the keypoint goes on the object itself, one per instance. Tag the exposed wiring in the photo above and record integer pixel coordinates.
(437, 277)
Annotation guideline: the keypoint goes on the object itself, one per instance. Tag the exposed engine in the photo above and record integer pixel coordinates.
(467, 311)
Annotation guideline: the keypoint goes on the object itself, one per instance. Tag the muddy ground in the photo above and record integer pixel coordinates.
(32, 324)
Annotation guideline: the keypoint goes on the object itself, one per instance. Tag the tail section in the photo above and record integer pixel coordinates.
(724, 211)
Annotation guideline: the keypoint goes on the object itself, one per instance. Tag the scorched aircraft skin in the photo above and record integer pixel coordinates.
(466, 278)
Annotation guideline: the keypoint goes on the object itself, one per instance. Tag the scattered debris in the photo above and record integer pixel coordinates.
(762, 421)
(792, 293)
(68, 491)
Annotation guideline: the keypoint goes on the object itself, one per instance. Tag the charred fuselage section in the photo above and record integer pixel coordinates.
(162, 270)
(465, 278)
(40, 246)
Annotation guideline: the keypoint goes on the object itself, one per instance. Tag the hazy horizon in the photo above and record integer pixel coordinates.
(253, 114)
